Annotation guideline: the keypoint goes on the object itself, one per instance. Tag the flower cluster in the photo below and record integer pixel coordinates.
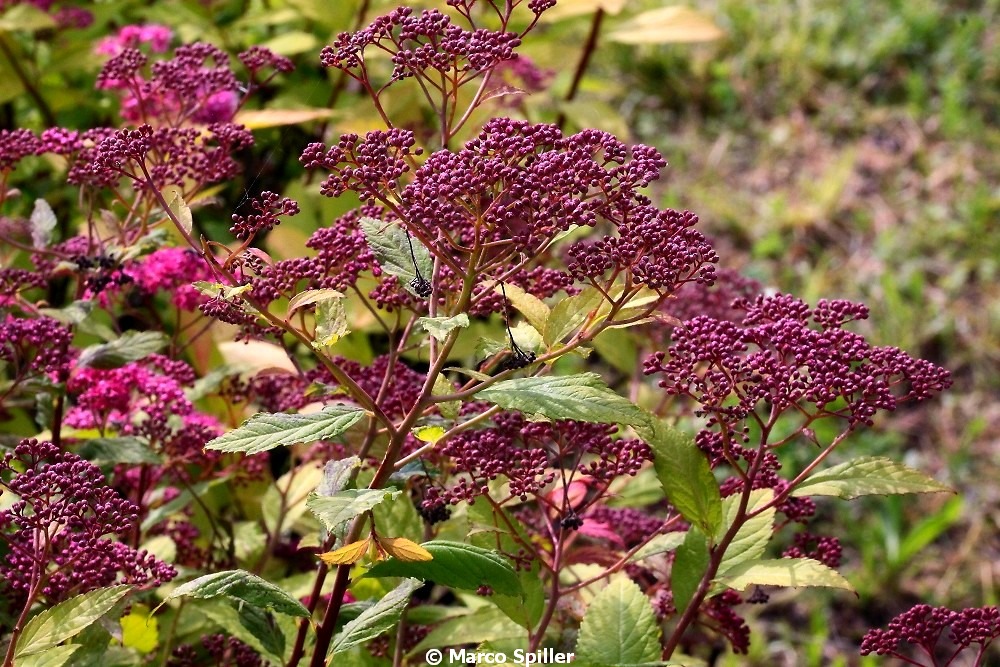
(171, 270)
(197, 85)
(132, 36)
(826, 550)
(56, 529)
(785, 354)
(33, 346)
(269, 206)
(419, 43)
(923, 626)
(528, 455)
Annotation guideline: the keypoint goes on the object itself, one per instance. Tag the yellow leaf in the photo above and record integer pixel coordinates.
(567, 8)
(140, 630)
(429, 433)
(257, 119)
(404, 549)
(668, 25)
(347, 554)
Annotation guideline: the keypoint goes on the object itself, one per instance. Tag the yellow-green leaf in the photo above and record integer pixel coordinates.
(529, 305)
(667, 25)
(178, 207)
(867, 476)
(331, 322)
(311, 296)
(429, 433)
(258, 119)
(783, 572)
(140, 630)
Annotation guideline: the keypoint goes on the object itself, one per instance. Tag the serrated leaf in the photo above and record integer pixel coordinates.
(456, 565)
(331, 322)
(660, 544)
(182, 212)
(67, 619)
(379, 618)
(569, 314)
(337, 475)
(685, 475)
(228, 615)
(583, 397)
(405, 550)
(241, 585)
(347, 554)
(440, 327)
(783, 572)
(311, 296)
(529, 305)
(667, 25)
(268, 430)
(753, 536)
(444, 387)
(867, 476)
(132, 346)
(619, 627)
(43, 223)
(690, 565)
(484, 624)
(125, 449)
(262, 625)
(389, 244)
(334, 510)
(57, 656)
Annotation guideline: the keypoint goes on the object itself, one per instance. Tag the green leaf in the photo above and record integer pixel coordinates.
(569, 314)
(444, 387)
(126, 449)
(267, 430)
(334, 510)
(57, 656)
(660, 544)
(261, 624)
(337, 475)
(241, 585)
(43, 222)
(753, 536)
(311, 296)
(529, 305)
(140, 630)
(456, 565)
(68, 618)
(181, 211)
(685, 475)
(331, 322)
(583, 397)
(484, 624)
(619, 627)
(524, 609)
(132, 346)
(379, 618)
(391, 248)
(26, 17)
(440, 327)
(783, 572)
(690, 564)
(867, 476)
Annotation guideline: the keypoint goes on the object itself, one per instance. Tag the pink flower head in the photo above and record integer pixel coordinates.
(132, 36)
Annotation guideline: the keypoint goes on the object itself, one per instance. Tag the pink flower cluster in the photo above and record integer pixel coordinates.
(132, 36)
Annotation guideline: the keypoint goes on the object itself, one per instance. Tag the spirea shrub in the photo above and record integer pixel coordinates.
(424, 450)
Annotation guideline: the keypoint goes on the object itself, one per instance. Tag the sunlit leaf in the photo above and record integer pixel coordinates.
(347, 554)
(403, 549)
(783, 572)
(241, 585)
(179, 208)
(529, 305)
(334, 510)
(267, 430)
(67, 619)
(866, 476)
(257, 119)
(311, 296)
(440, 327)
(667, 25)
